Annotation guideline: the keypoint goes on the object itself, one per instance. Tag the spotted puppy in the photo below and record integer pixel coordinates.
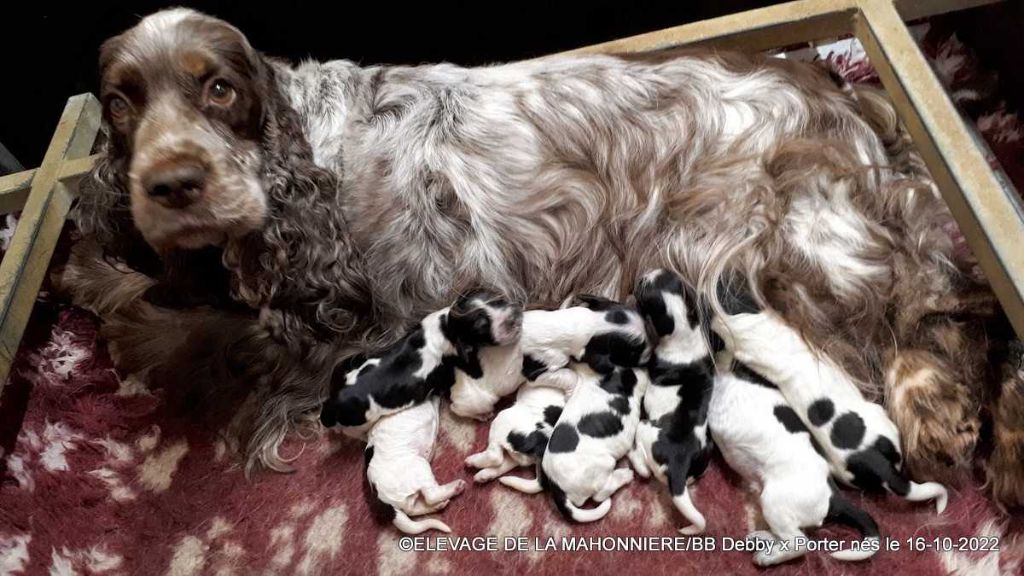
(764, 441)
(586, 328)
(593, 330)
(859, 440)
(519, 434)
(672, 438)
(595, 430)
(425, 361)
(398, 452)
(488, 329)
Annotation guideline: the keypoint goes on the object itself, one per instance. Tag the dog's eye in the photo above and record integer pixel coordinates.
(220, 92)
(117, 107)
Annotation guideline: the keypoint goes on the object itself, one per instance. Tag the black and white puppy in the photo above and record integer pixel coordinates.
(672, 438)
(399, 448)
(487, 330)
(425, 361)
(593, 330)
(595, 430)
(764, 441)
(589, 329)
(859, 440)
(519, 434)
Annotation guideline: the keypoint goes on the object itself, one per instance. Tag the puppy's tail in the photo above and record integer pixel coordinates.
(566, 507)
(685, 506)
(410, 526)
(525, 485)
(842, 511)
(928, 491)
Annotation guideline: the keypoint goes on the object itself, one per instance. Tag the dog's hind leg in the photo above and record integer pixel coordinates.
(492, 456)
(617, 479)
(492, 472)
(433, 495)
(677, 485)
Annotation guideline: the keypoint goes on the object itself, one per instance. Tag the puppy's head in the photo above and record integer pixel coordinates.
(666, 303)
(483, 319)
(184, 97)
(346, 406)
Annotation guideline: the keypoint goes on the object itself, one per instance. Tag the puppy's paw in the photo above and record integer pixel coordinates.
(936, 415)
(1004, 467)
(459, 487)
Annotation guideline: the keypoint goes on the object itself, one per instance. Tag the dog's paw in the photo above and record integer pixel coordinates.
(1003, 469)
(937, 417)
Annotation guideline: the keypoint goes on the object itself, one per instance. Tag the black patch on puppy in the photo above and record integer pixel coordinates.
(886, 448)
(789, 418)
(379, 511)
(737, 299)
(871, 471)
(563, 439)
(617, 317)
(664, 373)
(620, 404)
(619, 382)
(600, 425)
(552, 414)
(848, 431)
(605, 352)
(745, 373)
(532, 368)
(651, 303)
(532, 444)
(821, 411)
(593, 302)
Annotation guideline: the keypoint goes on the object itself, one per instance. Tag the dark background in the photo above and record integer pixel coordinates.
(48, 49)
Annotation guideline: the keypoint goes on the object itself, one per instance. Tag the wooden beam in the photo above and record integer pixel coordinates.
(25, 264)
(14, 188)
(751, 31)
(991, 219)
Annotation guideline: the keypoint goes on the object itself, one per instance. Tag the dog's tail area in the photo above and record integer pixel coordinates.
(582, 515)
(566, 507)
(684, 504)
(525, 485)
(410, 526)
(928, 491)
(842, 511)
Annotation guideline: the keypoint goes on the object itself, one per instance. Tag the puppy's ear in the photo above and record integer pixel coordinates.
(598, 303)
(328, 414)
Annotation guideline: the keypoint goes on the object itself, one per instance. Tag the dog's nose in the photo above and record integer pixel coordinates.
(176, 186)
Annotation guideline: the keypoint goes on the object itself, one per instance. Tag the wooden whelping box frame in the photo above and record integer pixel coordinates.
(991, 220)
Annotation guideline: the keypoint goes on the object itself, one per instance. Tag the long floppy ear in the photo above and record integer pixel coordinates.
(301, 268)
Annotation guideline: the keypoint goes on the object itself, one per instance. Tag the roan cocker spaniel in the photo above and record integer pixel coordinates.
(293, 215)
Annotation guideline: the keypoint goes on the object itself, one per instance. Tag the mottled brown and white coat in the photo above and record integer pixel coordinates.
(347, 201)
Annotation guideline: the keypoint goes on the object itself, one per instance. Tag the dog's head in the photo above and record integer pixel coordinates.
(185, 98)
(483, 319)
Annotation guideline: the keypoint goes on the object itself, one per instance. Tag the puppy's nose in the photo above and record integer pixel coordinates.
(176, 186)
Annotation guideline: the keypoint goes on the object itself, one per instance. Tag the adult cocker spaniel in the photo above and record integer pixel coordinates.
(293, 215)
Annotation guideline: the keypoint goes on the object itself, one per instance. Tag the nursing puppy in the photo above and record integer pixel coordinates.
(398, 452)
(425, 361)
(672, 438)
(492, 359)
(859, 440)
(599, 332)
(519, 434)
(764, 441)
(595, 430)
(591, 329)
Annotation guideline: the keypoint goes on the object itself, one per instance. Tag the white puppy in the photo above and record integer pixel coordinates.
(764, 441)
(859, 440)
(595, 430)
(519, 434)
(398, 452)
